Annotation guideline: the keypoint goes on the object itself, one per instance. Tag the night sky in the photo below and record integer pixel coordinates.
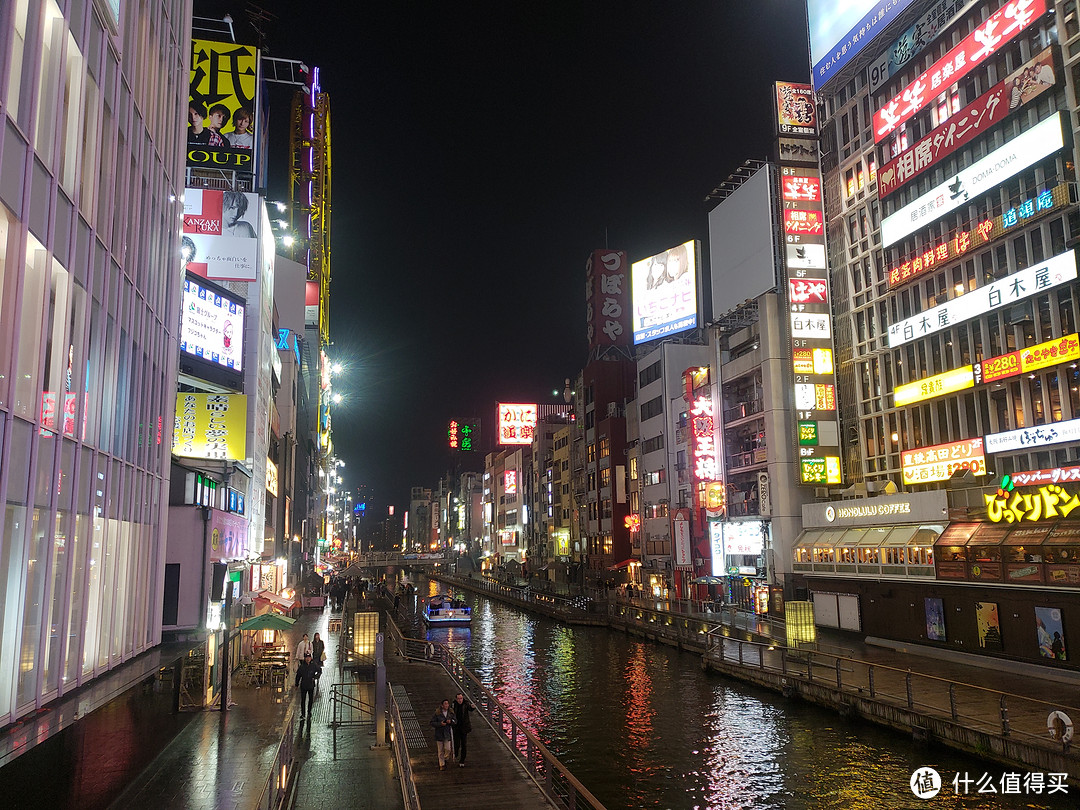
(481, 151)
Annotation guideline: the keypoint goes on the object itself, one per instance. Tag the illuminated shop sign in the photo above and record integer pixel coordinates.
(796, 188)
(838, 31)
(510, 482)
(808, 433)
(973, 120)
(271, 478)
(1023, 151)
(1056, 475)
(1033, 358)
(810, 325)
(808, 290)
(212, 326)
(706, 464)
(939, 462)
(815, 397)
(462, 435)
(806, 257)
(820, 470)
(813, 361)
(796, 112)
(1001, 28)
(910, 44)
(517, 423)
(1020, 285)
(1048, 502)
(940, 384)
(212, 426)
(743, 537)
(978, 234)
(804, 222)
(1038, 436)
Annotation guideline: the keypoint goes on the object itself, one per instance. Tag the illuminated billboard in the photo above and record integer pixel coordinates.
(999, 293)
(796, 112)
(939, 462)
(999, 29)
(220, 240)
(838, 31)
(222, 105)
(517, 423)
(937, 386)
(1029, 82)
(212, 426)
(934, 253)
(211, 330)
(1037, 436)
(1026, 149)
(1033, 358)
(463, 435)
(665, 293)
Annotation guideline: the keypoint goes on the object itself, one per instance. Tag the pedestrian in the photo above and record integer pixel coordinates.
(443, 723)
(318, 656)
(303, 648)
(306, 675)
(463, 725)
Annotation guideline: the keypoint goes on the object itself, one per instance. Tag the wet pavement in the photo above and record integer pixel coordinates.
(224, 759)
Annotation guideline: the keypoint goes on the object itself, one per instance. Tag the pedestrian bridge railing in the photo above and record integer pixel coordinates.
(558, 784)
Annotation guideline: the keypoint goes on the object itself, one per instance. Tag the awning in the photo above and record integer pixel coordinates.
(277, 599)
(957, 534)
(988, 534)
(1028, 536)
(623, 564)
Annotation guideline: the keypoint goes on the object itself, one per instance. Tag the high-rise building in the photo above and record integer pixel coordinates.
(91, 187)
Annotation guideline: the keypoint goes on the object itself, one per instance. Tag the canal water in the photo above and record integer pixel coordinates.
(641, 726)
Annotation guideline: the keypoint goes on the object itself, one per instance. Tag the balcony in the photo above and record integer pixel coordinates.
(751, 458)
(743, 410)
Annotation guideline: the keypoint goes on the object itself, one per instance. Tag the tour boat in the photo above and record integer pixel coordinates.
(442, 610)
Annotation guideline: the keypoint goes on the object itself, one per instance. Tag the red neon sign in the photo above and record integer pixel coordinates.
(808, 291)
(798, 188)
(1001, 28)
(799, 222)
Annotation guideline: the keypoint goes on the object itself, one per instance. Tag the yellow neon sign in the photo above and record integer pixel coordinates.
(948, 383)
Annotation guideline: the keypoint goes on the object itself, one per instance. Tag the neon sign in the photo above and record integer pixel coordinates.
(1048, 502)
(1001, 28)
(461, 435)
(1041, 355)
(517, 423)
(937, 386)
(939, 462)
(706, 464)
(510, 482)
(633, 523)
(978, 235)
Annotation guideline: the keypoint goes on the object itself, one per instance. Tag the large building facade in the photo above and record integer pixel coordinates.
(949, 186)
(91, 187)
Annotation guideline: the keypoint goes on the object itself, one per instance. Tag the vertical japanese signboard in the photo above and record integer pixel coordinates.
(607, 303)
(806, 290)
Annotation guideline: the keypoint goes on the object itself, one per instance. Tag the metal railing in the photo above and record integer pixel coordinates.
(276, 787)
(348, 707)
(401, 754)
(550, 775)
(977, 708)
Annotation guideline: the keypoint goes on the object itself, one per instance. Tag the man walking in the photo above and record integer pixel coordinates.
(463, 725)
(443, 722)
(306, 676)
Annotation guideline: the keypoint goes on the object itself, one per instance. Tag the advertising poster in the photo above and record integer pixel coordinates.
(986, 618)
(220, 238)
(664, 289)
(212, 326)
(210, 426)
(222, 105)
(1051, 633)
(935, 619)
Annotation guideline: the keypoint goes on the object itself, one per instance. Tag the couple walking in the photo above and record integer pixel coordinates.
(452, 726)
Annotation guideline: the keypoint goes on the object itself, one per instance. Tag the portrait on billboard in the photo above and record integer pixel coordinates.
(986, 618)
(935, 619)
(664, 290)
(1050, 632)
(222, 98)
(219, 235)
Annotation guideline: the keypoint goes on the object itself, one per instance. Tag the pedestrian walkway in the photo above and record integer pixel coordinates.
(223, 760)
(492, 776)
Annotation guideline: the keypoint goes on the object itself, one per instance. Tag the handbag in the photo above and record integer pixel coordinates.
(323, 656)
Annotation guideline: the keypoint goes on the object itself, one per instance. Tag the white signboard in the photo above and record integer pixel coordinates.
(810, 325)
(1005, 291)
(1018, 154)
(743, 537)
(1038, 436)
(682, 542)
